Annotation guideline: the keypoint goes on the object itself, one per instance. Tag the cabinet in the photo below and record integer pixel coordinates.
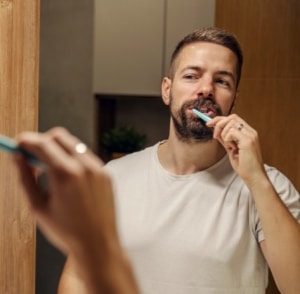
(134, 40)
(128, 46)
(183, 17)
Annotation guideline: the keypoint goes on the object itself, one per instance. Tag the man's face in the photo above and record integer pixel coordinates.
(204, 77)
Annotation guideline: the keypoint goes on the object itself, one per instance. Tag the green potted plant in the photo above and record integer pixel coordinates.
(123, 140)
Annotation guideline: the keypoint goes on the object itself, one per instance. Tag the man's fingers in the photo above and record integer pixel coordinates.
(36, 196)
(75, 148)
(47, 150)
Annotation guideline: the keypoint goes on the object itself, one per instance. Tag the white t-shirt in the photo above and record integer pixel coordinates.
(196, 233)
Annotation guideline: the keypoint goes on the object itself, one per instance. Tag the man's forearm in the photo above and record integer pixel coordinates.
(282, 236)
(98, 267)
(111, 274)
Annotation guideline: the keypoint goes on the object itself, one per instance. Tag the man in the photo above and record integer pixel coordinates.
(200, 212)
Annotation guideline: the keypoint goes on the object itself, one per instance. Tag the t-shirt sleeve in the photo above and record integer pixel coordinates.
(288, 194)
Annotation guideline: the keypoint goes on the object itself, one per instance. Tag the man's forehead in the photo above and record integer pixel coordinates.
(199, 48)
(200, 53)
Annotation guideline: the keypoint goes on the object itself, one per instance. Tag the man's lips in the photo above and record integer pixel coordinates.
(208, 111)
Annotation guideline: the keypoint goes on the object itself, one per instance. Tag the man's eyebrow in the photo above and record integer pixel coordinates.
(191, 67)
(199, 68)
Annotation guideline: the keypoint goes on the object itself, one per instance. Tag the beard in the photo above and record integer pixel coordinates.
(191, 127)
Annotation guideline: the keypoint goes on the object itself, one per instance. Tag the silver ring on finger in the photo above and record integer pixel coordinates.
(80, 148)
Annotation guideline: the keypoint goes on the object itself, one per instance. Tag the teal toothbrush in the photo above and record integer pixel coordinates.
(201, 115)
(11, 146)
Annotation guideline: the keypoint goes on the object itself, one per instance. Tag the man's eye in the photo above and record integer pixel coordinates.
(223, 82)
(190, 77)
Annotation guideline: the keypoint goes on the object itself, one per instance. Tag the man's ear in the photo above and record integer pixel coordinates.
(165, 90)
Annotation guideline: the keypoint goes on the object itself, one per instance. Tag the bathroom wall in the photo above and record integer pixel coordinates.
(65, 97)
(66, 62)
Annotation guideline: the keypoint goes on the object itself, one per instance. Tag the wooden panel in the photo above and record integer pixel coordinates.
(269, 33)
(19, 31)
(271, 107)
(269, 97)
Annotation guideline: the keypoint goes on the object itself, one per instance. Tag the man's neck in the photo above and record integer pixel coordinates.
(183, 158)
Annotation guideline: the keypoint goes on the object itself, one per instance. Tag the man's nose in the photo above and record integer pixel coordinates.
(206, 88)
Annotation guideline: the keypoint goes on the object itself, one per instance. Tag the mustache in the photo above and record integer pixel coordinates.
(203, 102)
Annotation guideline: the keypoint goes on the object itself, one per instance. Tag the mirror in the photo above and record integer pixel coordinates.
(66, 79)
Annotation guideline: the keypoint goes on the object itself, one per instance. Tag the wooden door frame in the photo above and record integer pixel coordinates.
(19, 70)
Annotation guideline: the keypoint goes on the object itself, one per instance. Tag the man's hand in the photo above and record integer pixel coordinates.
(78, 204)
(242, 145)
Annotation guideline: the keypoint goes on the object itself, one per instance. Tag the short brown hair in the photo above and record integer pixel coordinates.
(213, 35)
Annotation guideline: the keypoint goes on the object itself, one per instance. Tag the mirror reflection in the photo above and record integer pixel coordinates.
(91, 86)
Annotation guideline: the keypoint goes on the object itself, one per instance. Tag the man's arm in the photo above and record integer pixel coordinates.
(83, 278)
(76, 213)
(281, 246)
(71, 281)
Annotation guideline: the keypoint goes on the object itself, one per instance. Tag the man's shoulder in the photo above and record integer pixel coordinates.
(132, 159)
